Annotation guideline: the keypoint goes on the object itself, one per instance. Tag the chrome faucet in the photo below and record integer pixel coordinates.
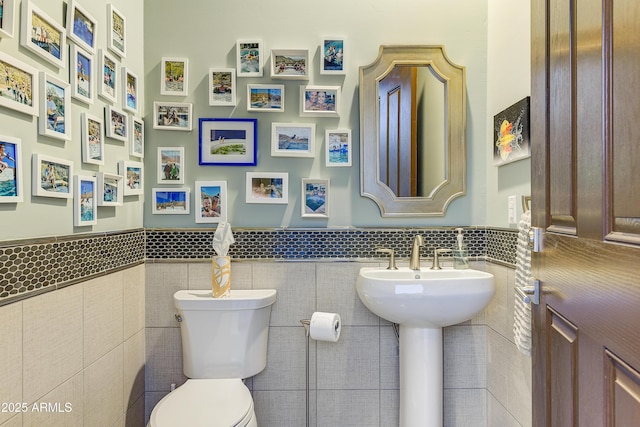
(414, 261)
(436, 260)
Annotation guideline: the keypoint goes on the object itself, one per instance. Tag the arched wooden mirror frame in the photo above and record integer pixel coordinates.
(454, 183)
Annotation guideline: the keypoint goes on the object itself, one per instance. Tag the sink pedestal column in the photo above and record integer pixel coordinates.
(420, 376)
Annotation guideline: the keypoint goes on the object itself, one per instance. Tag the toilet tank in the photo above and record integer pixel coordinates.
(224, 337)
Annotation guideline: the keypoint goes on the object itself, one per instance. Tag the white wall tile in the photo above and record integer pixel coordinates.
(296, 286)
(103, 389)
(162, 281)
(103, 316)
(133, 294)
(53, 335)
(465, 356)
(70, 412)
(11, 356)
(134, 361)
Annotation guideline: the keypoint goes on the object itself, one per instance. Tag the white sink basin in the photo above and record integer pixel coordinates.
(426, 298)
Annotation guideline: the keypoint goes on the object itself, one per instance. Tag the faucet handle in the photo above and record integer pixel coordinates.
(436, 260)
(392, 257)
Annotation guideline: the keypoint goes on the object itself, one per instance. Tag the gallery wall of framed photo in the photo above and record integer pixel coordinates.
(71, 111)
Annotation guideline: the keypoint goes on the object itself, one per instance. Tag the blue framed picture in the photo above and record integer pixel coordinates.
(230, 142)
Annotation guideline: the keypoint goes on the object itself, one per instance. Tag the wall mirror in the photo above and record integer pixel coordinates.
(413, 127)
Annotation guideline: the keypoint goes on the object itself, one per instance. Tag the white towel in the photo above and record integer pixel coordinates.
(522, 310)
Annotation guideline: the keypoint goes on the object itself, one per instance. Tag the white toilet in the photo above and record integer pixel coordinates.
(223, 341)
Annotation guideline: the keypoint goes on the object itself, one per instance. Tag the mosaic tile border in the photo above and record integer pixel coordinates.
(31, 267)
(307, 244)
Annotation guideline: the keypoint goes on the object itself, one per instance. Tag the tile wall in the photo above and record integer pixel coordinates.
(76, 356)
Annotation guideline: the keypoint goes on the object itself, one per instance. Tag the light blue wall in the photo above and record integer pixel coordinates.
(43, 216)
(206, 33)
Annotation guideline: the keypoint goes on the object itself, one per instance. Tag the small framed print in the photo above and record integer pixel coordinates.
(222, 87)
(320, 101)
(172, 115)
(332, 61)
(85, 205)
(82, 28)
(92, 139)
(511, 127)
(117, 123)
(136, 140)
(293, 139)
(53, 120)
(21, 94)
(51, 177)
(267, 187)
(129, 90)
(110, 189)
(42, 35)
(10, 170)
(81, 74)
(292, 64)
(230, 142)
(132, 173)
(108, 85)
(7, 18)
(175, 75)
(170, 201)
(338, 148)
(116, 31)
(250, 58)
(170, 165)
(315, 198)
(268, 98)
(211, 201)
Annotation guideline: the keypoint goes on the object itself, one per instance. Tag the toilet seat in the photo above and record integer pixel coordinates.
(205, 402)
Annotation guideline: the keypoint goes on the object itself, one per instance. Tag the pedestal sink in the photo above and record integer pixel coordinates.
(422, 302)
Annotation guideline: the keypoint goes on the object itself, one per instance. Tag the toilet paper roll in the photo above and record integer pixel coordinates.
(325, 326)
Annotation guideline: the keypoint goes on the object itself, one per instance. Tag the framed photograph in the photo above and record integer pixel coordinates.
(110, 189)
(292, 64)
(129, 90)
(136, 140)
(108, 85)
(51, 177)
(92, 139)
(21, 94)
(116, 123)
(170, 165)
(315, 198)
(250, 58)
(53, 120)
(10, 170)
(82, 28)
(81, 74)
(175, 74)
(231, 142)
(511, 127)
(293, 139)
(211, 201)
(338, 148)
(6, 18)
(170, 201)
(222, 87)
(85, 204)
(42, 35)
(320, 101)
(133, 174)
(267, 187)
(116, 31)
(332, 61)
(172, 115)
(269, 98)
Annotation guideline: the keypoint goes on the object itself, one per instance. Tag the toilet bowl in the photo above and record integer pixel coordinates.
(223, 341)
(206, 403)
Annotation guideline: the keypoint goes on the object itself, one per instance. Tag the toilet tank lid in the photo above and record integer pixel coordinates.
(240, 299)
